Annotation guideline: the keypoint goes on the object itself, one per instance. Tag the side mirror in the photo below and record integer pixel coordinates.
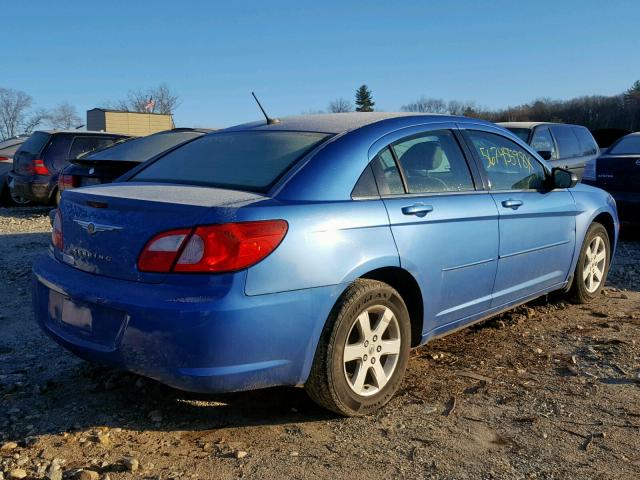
(545, 154)
(562, 178)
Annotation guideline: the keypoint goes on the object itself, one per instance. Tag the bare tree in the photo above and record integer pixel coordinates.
(340, 105)
(426, 105)
(14, 111)
(64, 116)
(161, 97)
(34, 119)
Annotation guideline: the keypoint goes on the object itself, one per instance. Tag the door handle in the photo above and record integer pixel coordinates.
(418, 209)
(512, 203)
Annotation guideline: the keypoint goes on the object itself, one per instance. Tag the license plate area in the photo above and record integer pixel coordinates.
(91, 324)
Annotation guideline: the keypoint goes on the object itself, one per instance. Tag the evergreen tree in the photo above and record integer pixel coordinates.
(364, 100)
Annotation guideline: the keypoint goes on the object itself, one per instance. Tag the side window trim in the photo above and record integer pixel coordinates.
(478, 160)
(403, 178)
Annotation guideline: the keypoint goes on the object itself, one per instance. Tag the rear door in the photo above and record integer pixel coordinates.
(588, 146)
(445, 229)
(537, 226)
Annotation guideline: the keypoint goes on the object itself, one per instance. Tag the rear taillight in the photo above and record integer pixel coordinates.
(212, 249)
(68, 181)
(37, 167)
(56, 233)
(4, 159)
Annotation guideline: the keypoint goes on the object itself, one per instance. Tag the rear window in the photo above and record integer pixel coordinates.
(251, 161)
(587, 143)
(141, 149)
(523, 133)
(35, 143)
(629, 145)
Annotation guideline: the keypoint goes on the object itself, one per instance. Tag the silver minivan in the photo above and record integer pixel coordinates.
(566, 146)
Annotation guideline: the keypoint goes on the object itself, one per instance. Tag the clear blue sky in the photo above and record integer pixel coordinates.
(299, 55)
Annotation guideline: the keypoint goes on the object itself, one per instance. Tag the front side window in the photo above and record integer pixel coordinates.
(567, 141)
(508, 166)
(251, 160)
(542, 141)
(433, 162)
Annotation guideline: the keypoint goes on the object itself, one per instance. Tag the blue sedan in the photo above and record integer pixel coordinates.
(315, 251)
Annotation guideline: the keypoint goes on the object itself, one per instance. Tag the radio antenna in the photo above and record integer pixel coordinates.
(270, 121)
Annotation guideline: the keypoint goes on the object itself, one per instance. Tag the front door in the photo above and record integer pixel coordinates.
(537, 225)
(445, 229)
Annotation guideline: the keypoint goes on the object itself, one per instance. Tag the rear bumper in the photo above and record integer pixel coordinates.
(211, 338)
(37, 189)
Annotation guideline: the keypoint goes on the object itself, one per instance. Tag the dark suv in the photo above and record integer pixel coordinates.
(38, 162)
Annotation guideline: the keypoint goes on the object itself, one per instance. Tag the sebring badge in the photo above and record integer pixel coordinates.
(93, 228)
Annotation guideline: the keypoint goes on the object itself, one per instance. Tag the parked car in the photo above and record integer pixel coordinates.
(39, 160)
(617, 171)
(566, 146)
(109, 163)
(8, 148)
(315, 251)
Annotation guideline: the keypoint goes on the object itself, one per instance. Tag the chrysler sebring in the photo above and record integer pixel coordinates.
(315, 251)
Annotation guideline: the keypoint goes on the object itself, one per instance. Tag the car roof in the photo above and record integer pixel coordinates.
(335, 123)
(534, 124)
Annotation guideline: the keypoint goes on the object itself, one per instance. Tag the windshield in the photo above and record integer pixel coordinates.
(251, 161)
(629, 145)
(143, 148)
(523, 133)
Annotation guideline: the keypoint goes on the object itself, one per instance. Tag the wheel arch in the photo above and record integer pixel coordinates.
(409, 289)
(606, 220)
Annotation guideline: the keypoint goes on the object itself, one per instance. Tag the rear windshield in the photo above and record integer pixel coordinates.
(629, 145)
(35, 143)
(251, 161)
(142, 149)
(523, 133)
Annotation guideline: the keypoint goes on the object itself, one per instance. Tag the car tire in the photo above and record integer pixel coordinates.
(9, 200)
(592, 268)
(352, 386)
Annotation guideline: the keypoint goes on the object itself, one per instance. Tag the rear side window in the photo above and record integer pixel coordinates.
(567, 141)
(35, 143)
(433, 162)
(251, 161)
(83, 145)
(629, 145)
(387, 174)
(144, 148)
(587, 143)
(507, 164)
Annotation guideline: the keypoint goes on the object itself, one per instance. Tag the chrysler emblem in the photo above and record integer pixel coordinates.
(93, 228)
(638, 162)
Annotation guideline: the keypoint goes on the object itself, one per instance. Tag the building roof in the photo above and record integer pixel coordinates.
(127, 111)
(342, 122)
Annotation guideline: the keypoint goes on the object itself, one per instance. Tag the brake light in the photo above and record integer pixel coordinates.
(68, 181)
(4, 159)
(56, 233)
(37, 167)
(214, 248)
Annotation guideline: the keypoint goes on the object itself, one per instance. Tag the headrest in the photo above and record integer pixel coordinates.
(422, 156)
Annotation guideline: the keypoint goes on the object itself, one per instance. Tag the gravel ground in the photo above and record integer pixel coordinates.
(549, 390)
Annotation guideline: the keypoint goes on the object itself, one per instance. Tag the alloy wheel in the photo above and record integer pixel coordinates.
(372, 350)
(594, 264)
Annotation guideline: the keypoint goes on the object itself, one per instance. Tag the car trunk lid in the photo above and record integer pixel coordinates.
(106, 227)
(618, 172)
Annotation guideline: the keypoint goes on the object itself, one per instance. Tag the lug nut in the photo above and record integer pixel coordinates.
(375, 338)
(379, 348)
(365, 358)
(366, 343)
(373, 360)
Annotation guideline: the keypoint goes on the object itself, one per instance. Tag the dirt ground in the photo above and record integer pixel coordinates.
(549, 390)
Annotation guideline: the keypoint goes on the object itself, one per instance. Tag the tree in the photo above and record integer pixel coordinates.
(164, 100)
(364, 99)
(14, 113)
(63, 116)
(340, 105)
(426, 105)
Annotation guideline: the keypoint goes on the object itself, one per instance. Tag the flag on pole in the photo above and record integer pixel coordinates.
(149, 106)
